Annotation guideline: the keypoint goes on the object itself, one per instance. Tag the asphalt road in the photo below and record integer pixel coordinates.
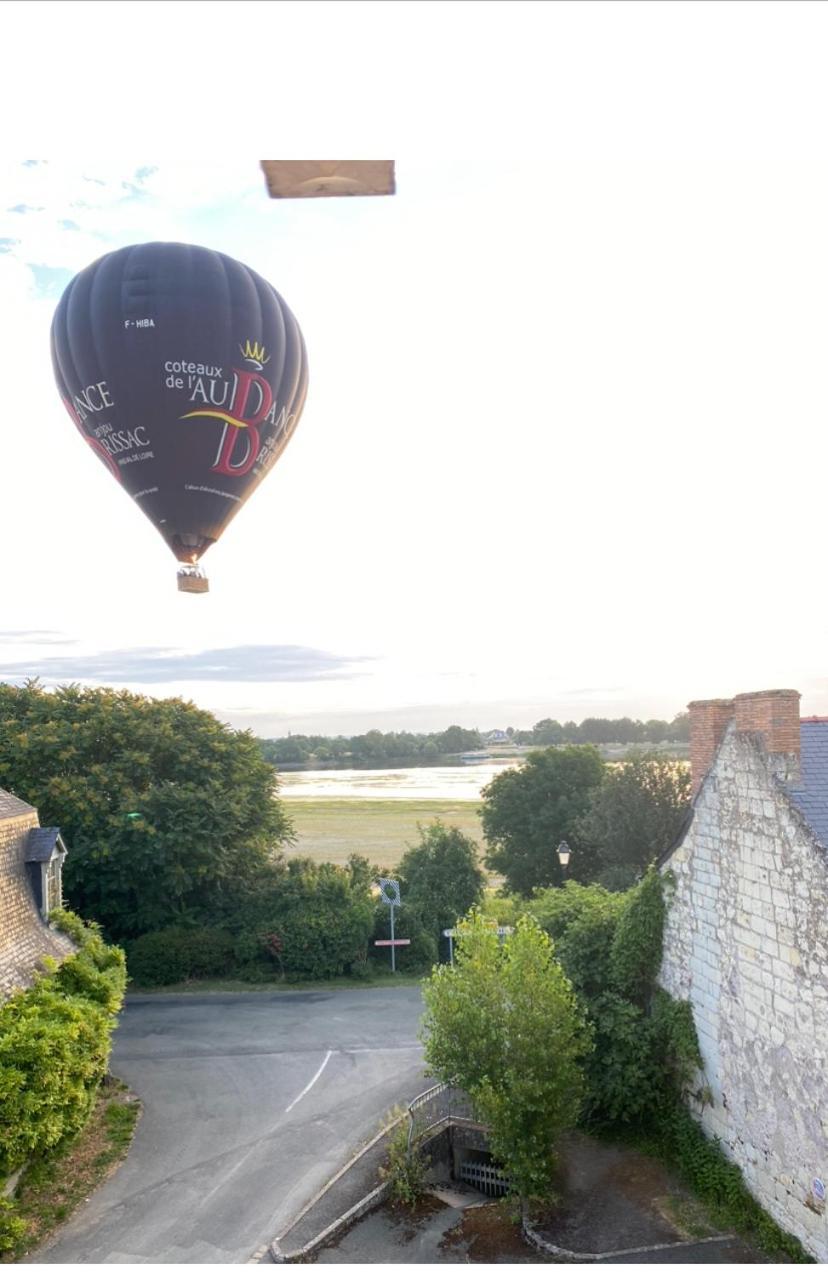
(251, 1102)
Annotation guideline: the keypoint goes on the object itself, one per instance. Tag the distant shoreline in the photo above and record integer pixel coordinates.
(609, 752)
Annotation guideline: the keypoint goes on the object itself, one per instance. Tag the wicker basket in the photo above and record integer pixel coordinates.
(193, 582)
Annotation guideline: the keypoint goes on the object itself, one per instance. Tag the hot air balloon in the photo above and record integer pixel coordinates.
(186, 373)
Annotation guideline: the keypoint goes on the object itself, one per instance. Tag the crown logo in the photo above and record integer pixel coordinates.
(255, 354)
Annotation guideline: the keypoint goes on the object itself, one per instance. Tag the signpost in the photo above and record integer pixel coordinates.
(390, 895)
(451, 935)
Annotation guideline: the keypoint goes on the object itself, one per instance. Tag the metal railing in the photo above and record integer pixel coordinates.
(438, 1106)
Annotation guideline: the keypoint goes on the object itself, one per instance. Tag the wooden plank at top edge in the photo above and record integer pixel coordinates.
(312, 179)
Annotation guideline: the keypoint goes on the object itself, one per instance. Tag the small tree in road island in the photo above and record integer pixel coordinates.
(503, 1024)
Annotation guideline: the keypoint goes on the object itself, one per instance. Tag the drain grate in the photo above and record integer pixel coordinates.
(487, 1178)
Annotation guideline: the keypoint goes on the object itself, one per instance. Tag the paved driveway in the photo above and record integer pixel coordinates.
(251, 1102)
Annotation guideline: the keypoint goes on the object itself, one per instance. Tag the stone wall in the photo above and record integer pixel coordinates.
(24, 938)
(746, 942)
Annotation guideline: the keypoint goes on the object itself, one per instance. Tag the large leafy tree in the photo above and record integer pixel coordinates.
(632, 818)
(503, 1024)
(528, 811)
(441, 876)
(164, 808)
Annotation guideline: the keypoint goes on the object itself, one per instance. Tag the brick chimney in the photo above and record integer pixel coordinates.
(708, 722)
(775, 716)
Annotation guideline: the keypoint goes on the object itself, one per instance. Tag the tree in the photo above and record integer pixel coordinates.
(165, 809)
(547, 732)
(458, 740)
(529, 810)
(680, 727)
(440, 877)
(503, 1025)
(631, 819)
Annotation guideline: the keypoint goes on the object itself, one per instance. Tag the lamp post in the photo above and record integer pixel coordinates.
(563, 857)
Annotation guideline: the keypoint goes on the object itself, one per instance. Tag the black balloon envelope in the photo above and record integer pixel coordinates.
(186, 373)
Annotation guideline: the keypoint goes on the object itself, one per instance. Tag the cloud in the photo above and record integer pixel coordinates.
(50, 280)
(33, 637)
(158, 664)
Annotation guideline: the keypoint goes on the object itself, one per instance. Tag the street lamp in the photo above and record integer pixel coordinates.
(563, 856)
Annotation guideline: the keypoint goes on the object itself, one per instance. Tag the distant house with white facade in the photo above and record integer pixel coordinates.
(746, 942)
(31, 863)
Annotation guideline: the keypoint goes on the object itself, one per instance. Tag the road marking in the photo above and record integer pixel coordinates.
(312, 1082)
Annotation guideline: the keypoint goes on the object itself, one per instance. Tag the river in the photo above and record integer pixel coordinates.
(458, 783)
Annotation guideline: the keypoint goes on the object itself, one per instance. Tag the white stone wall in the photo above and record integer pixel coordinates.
(746, 942)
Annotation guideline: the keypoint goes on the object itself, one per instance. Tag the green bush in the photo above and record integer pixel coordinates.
(405, 1168)
(12, 1228)
(54, 1046)
(635, 956)
(306, 920)
(53, 1055)
(177, 953)
(680, 1140)
(582, 921)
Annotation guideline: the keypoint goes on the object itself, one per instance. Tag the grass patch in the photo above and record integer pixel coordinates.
(378, 979)
(332, 829)
(687, 1216)
(50, 1191)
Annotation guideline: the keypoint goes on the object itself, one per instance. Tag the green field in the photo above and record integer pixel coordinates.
(333, 828)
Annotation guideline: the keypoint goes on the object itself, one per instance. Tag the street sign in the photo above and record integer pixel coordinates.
(390, 894)
(389, 891)
(391, 943)
(452, 934)
(501, 930)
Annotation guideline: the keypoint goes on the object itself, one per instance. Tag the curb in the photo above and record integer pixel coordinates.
(356, 1212)
(350, 1215)
(575, 1256)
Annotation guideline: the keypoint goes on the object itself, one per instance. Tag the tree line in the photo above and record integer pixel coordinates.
(376, 748)
(175, 826)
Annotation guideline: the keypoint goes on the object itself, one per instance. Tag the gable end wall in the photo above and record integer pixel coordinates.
(746, 942)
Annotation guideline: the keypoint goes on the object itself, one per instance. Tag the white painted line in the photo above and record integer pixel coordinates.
(312, 1082)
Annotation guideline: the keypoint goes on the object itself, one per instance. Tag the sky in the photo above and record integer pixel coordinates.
(563, 452)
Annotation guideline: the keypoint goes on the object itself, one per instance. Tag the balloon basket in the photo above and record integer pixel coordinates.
(191, 580)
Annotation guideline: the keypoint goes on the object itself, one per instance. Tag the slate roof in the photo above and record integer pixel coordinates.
(11, 806)
(811, 796)
(41, 844)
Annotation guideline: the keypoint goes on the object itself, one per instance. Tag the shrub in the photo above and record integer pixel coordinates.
(54, 1047)
(12, 1228)
(582, 921)
(53, 1055)
(405, 1168)
(321, 914)
(635, 956)
(719, 1183)
(177, 953)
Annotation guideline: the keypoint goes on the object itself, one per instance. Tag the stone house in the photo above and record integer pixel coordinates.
(746, 942)
(31, 860)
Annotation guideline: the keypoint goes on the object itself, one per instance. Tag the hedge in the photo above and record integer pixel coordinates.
(177, 953)
(54, 1046)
